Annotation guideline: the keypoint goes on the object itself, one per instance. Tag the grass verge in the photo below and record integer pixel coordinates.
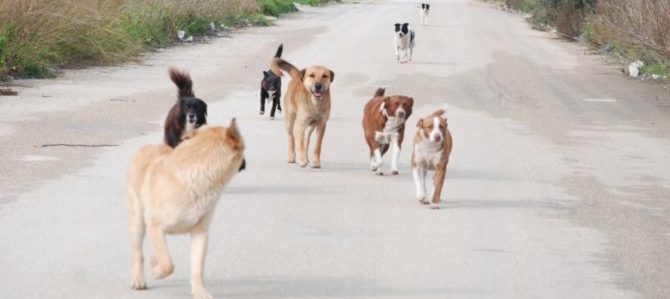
(39, 36)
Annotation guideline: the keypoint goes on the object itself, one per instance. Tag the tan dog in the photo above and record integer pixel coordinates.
(432, 147)
(306, 107)
(384, 125)
(175, 191)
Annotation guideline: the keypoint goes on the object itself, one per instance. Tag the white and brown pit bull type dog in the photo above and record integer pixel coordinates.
(432, 147)
(384, 126)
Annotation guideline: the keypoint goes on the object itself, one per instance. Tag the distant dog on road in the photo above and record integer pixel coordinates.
(404, 42)
(188, 114)
(307, 107)
(384, 125)
(175, 191)
(432, 147)
(271, 88)
(423, 13)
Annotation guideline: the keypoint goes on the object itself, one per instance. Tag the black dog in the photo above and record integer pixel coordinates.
(188, 114)
(271, 88)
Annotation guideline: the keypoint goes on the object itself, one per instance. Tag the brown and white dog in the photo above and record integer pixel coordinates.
(384, 126)
(432, 147)
(306, 107)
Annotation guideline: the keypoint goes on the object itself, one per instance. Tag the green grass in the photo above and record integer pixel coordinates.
(277, 7)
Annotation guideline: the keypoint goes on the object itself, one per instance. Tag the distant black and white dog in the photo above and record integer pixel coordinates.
(423, 13)
(271, 88)
(188, 114)
(404, 42)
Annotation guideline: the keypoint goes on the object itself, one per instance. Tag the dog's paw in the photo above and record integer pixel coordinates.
(162, 272)
(316, 165)
(302, 164)
(434, 206)
(423, 201)
(138, 283)
(262, 112)
(379, 173)
(272, 118)
(395, 172)
(202, 294)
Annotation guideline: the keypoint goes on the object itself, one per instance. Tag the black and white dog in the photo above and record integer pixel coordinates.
(423, 13)
(271, 88)
(404, 42)
(188, 114)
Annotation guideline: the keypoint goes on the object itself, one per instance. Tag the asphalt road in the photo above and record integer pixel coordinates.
(558, 186)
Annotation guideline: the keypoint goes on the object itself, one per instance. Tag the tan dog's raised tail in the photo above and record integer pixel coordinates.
(306, 107)
(175, 191)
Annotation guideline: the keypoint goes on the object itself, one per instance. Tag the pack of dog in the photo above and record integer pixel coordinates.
(174, 187)
(271, 87)
(404, 42)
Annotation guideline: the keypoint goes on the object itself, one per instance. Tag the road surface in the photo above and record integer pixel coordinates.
(558, 185)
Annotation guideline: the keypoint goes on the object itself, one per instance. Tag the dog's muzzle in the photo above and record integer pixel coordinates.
(192, 118)
(318, 90)
(243, 166)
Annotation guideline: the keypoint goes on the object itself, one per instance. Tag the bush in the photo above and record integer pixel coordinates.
(641, 26)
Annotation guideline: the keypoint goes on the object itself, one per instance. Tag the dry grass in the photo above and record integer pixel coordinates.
(38, 35)
(643, 26)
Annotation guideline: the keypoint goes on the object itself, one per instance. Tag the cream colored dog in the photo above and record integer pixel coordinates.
(306, 107)
(175, 191)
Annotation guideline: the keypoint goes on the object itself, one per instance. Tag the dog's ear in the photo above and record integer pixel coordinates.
(409, 109)
(265, 74)
(234, 137)
(302, 74)
(419, 124)
(382, 108)
(332, 76)
(397, 27)
(204, 108)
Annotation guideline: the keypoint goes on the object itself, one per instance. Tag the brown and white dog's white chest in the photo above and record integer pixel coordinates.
(427, 153)
(390, 131)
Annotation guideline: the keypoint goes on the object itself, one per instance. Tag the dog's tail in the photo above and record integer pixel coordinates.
(380, 92)
(439, 112)
(279, 50)
(279, 64)
(183, 81)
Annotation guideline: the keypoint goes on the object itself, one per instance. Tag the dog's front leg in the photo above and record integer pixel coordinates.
(316, 157)
(199, 240)
(264, 95)
(277, 98)
(397, 52)
(419, 173)
(395, 154)
(137, 230)
(300, 142)
(438, 181)
(161, 262)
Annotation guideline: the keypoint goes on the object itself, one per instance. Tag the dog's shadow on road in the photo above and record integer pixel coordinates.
(437, 63)
(321, 286)
(279, 189)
